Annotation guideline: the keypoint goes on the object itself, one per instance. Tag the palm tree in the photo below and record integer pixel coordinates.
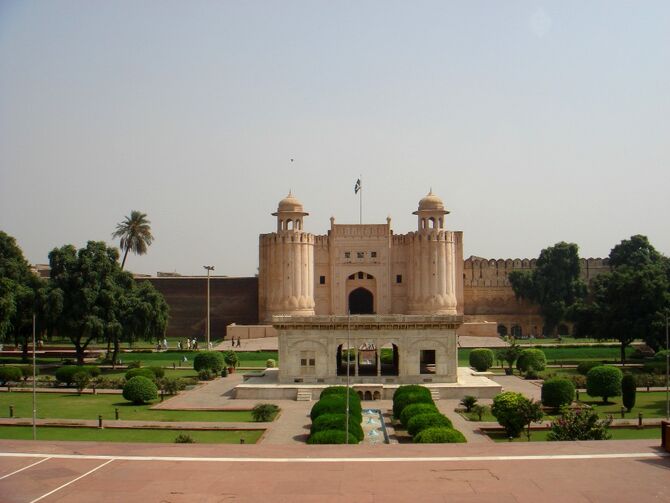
(135, 234)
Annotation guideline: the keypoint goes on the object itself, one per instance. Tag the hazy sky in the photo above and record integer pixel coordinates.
(535, 121)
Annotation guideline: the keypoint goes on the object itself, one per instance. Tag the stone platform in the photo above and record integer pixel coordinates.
(268, 387)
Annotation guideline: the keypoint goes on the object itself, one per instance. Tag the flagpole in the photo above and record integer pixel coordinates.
(360, 209)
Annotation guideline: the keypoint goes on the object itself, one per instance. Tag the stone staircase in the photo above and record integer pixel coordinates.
(435, 394)
(304, 395)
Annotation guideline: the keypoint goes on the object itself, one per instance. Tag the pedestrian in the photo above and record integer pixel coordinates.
(239, 342)
(188, 344)
(165, 344)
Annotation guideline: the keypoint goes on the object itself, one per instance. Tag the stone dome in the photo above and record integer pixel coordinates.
(290, 204)
(431, 202)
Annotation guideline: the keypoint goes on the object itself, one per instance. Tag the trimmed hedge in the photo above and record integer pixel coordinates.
(10, 374)
(209, 360)
(628, 391)
(408, 398)
(337, 405)
(331, 437)
(140, 390)
(415, 409)
(481, 359)
(143, 371)
(557, 392)
(337, 422)
(340, 391)
(432, 420)
(410, 388)
(604, 382)
(531, 359)
(439, 436)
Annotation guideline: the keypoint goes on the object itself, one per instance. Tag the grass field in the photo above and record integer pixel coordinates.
(73, 406)
(566, 355)
(127, 435)
(617, 434)
(247, 358)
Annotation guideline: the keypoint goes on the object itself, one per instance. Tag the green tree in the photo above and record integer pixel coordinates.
(135, 234)
(604, 381)
(514, 412)
(628, 302)
(21, 296)
(509, 355)
(553, 284)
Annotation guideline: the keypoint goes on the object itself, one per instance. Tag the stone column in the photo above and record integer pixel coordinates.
(379, 361)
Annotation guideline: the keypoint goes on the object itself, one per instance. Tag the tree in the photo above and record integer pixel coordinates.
(509, 355)
(628, 391)
(514, 412)
(628, 302)
(604, 382)
(135, 234)
(21, 295)
(553, 284)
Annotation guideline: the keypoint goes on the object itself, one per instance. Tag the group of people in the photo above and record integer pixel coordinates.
(189, 344)
(235, 343)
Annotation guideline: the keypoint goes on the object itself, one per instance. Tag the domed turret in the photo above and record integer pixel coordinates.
(290, 213)
(431, 212)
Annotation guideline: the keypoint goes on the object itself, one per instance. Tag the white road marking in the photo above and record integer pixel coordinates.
(24, 468)
(72, 481)
(539, 457)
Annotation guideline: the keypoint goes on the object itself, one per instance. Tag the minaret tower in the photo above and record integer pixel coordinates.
(286, 264)
(432, 255)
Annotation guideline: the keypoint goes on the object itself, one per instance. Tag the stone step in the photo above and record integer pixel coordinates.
(435, 394)
(304, 395)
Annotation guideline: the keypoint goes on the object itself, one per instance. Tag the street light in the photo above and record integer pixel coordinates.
(209, 269)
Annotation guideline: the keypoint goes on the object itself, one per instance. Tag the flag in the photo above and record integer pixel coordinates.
(357, 187)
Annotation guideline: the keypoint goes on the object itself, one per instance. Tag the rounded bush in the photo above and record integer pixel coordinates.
(270, 363)
(604, 382)
(331, 437)
(337, 422)
(144, 372)
(661, 355)
(337, 405)
(557, 392)
(410, 388)
(66, 373)
(440, 436)
(531, 359)
(209, 360)
(584, 367)
(505, 408)
(409, 398)
(140, 390)
(92, 370)
(431, 420)
(159, 372)
(415, 409)
(481, 359)
(10, 374)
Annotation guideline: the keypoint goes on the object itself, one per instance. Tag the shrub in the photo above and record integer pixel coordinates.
(580, 424)
(10, 374)
(264, 412)
(628, 391)
(468, 401)
(27, 371)
(327, 422)
(93, 370)
(584, 367)
(506, 408)
(481, 359)
(270, 363)
(557, 392)
(140, 390)
(661, 355)
(171, 385)
(224, 372)
(480, 410)
(231, 359)
(205, 375)
(184, 438)
(439, 435)
(144, 372)
(134, 364)
(159, 372)
(410, 388)
(81, 379)
(65, 374)
(432, 420)
(409, 398)
(414, 409)
(579, 381)
(208, 360)
(331, 437)
(337, 405)
(337, 391)
(604, 382)
(531, 358)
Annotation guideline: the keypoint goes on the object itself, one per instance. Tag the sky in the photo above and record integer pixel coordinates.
(536, 122)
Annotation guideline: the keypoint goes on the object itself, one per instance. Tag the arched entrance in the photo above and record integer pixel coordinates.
(361, 301)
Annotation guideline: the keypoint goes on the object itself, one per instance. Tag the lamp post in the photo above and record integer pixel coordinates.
(209, 268)
(34, 390)
(667, 371)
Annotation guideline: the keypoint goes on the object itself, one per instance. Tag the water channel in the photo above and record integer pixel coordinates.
(374, 428)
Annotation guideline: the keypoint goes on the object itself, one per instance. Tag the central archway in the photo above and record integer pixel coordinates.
(361, 301)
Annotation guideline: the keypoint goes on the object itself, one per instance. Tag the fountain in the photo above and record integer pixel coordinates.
(373, 427)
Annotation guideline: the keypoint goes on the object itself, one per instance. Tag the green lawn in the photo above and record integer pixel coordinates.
(73, 406)
(617, 434)
(128, 435)
(247, 358)
(565, 355)
(185, 372)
